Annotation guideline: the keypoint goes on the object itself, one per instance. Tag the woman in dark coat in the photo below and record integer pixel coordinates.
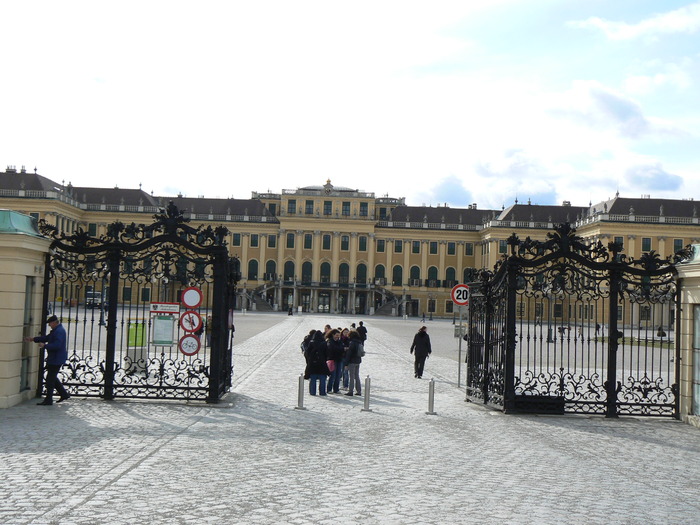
(421, 344)
(335, 353)
(352, 360)
(316, 368)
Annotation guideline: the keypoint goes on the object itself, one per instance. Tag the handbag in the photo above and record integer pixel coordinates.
(331, 365)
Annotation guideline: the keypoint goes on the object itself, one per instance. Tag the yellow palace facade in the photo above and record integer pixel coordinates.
(335, 249)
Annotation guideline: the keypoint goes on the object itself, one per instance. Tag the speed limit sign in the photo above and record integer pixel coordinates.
(460, 294)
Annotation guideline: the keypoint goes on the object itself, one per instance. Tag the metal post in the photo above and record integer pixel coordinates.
(459, 360)
(300, 402)
(431, 398)
(367, 384)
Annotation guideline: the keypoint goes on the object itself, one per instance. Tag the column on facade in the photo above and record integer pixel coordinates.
(442, 252)
(389, 250)
(353, 270)
(459, 271)
(316, 269)
(261, 265)
(407, 246)
(424, 249)
(335, 257)
(662, 246)
(371, 249)
(281, 241)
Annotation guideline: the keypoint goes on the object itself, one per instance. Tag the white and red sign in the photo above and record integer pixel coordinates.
(165, 308)
(460, 294)
(190, 321)
(191, 297)
(189, 344)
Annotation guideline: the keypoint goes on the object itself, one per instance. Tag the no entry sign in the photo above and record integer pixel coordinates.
(460, 294)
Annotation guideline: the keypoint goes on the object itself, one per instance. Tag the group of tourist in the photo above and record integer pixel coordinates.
(333, 357)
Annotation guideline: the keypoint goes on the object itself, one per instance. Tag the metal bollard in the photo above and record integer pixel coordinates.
(367, 383)
(431, 398)
(300, 403)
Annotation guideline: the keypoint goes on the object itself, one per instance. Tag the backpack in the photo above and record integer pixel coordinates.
(360, 350)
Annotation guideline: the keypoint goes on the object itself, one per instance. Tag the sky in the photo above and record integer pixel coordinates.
(440, 102)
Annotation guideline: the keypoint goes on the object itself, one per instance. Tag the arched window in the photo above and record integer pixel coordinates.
(433, 281)
(306, 272)
(270, 270)
(344, 273)
(414, 278)
(252, 270)
(379, 271)
(361, 274)
(289, 271)
(325, 272)
(397, 276)
(450, 277)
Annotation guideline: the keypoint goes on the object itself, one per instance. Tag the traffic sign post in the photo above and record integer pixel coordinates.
(460, 296)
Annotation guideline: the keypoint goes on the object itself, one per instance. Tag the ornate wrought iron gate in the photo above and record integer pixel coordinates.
(102, 289)
(564, 326)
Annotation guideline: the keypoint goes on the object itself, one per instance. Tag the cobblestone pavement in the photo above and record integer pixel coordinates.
(254, 458)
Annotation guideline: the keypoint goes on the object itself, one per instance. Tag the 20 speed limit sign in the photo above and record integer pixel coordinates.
(460, 294)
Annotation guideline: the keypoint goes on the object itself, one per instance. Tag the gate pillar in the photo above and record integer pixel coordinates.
(111, 347)
(613, 343)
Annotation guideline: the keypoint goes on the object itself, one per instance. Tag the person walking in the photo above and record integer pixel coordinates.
(335, 353)
(353, 359)
(56, 357)
(316, 368)
(421, 345)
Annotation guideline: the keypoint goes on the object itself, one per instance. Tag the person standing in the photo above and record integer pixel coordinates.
(56, 357)
(335, 352)
(316, 368)
(362, 330)
(353, 359)
(421, 345)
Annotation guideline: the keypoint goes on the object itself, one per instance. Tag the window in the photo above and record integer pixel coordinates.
(363, 243)
(290, 240)
(254, 240)
(273, 208)
(363, 209)
(345, 242)
(236, 239)
(645, 313)
(272, 241)
(646, 244)
(468, 248)
(326, 243)
(398, 246)
(253, 270)
(449, 307)
(380, 245)
(309, 209)
(620, 241)
(92, 229)
(431, 306)
(677, 245)
(619, 313)
(433, 248)
(126, 293)
(308, 241)
(502, 246)
(328, 207)
(558, 310)
(145, 295)
(35, 215)
(346, 208)
(415, 247)
(382, 213)
(291, 206)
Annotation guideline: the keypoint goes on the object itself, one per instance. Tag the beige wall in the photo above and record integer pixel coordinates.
(690, 297)
(21, 256)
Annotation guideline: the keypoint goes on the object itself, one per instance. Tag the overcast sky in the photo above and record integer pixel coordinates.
(436, 101)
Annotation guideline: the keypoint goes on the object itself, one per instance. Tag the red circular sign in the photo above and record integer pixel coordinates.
(191, 297)
(460, 294)
(190, 321)
(189, 344)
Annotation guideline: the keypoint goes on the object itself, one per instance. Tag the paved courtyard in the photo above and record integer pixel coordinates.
(254, 458)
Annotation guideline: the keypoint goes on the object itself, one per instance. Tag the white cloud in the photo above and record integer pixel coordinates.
(683, 20)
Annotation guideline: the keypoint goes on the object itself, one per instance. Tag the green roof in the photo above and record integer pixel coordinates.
(15, 222)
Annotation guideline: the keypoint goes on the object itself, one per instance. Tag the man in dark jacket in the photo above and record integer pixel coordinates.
(56, 356)
(421, 344)
(362, 331)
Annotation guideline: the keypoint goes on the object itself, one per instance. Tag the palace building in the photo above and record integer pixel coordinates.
(336, 249)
